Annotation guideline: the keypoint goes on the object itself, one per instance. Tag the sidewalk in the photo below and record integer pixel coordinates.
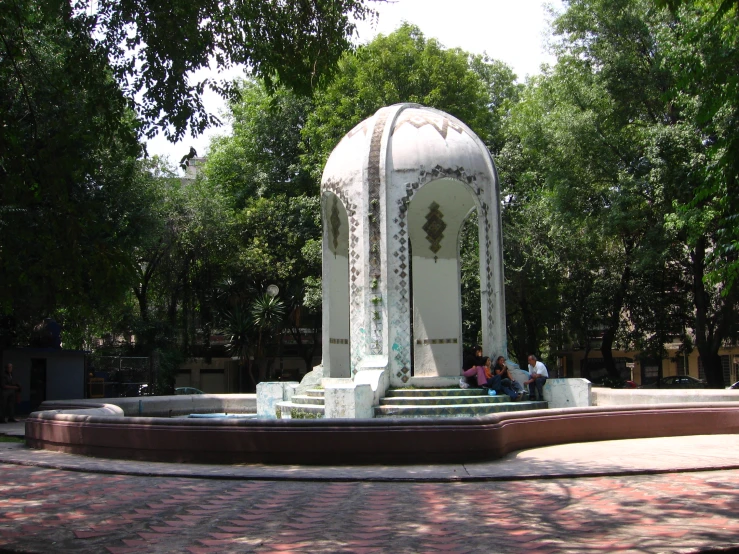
(581, 498)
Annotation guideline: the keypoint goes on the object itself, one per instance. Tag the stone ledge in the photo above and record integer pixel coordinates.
(165, 406)
(653, 397)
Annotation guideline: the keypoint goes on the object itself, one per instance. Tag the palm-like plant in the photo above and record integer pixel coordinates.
(267, 313)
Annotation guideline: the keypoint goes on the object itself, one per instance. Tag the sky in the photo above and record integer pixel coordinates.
(513, 31)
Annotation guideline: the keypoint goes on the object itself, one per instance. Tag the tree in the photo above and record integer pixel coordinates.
(80, 81)
(262, 155)
(69, 199)
(705, 54)
(154, 49)
(404, 66)
(621, 149)
(287, 258)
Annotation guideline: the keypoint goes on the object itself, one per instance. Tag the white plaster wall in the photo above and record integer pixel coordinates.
(437, 309)
(335, 339)
(436, 316)
(268, 395)
(338, 362)
(651, 397)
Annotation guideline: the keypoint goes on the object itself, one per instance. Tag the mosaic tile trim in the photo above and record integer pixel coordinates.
(335, 223)
(421, 119)
(338, 341)
(434, 228)
(373, 191)
(374, 216)
(437, 341)
(358, 128)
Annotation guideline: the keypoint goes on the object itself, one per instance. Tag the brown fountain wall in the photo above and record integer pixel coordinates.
(326, 441)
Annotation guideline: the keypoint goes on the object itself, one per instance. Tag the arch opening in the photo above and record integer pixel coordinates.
(436, 216)
(336, 335)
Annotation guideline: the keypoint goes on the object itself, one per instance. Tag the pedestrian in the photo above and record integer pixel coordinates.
(10, 389)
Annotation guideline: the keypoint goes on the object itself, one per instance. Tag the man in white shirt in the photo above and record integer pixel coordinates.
(539, 375)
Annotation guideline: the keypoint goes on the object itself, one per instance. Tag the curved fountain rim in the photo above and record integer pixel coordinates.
(85, 430)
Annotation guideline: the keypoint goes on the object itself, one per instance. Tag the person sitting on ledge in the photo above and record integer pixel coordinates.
(471, 360)
(539, 375)
(482, 372)
(508, 384)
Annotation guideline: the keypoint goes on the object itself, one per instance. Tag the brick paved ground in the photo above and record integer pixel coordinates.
(45, 510)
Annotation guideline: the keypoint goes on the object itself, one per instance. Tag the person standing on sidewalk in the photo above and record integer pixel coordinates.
(10, 388)
(539, 375)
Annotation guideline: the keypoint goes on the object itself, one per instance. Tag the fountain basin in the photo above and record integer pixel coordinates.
(100, 429)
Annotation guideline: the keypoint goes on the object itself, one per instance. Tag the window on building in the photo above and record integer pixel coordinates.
(683, 366)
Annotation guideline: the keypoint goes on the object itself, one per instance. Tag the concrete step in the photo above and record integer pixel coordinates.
(291, 410)
(443, 400)
(456, 410)
(315, 393)
(435, 392)
(307, 399)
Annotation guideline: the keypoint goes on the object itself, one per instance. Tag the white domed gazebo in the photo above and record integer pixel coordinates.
(394, 196)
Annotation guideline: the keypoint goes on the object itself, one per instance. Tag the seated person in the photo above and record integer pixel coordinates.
(481, 372)
(539, 375)
(508, 384)
(473, 359)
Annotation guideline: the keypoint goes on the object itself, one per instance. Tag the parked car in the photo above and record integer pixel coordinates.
(734, 386)
(188, 390)
(677, 382)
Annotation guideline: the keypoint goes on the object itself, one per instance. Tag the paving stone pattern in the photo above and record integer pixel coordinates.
(44, 510)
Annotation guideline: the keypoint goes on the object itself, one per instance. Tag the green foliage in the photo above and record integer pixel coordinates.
(469, 251)
(609, 150)
(261, 158)
(267, 312)
(273, 232)
(155, 48)
(69, 199)
(169, 361)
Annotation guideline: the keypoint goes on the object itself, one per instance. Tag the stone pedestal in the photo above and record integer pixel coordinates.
(343, 398)
(568, 393)
(270, 393)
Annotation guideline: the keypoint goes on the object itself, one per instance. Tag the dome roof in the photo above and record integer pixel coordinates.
(419, 138)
